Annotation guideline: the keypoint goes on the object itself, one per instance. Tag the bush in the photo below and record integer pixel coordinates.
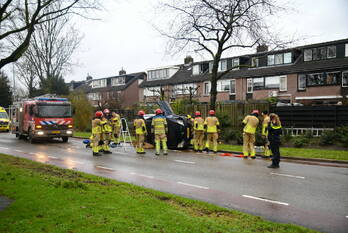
(285, 137)
(301, 141)
(342, 135)
(327, 138)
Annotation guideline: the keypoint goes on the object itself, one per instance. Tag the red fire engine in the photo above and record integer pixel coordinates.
(42, 117)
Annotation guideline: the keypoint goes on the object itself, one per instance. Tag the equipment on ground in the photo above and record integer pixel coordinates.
(126, 138)
(46, 116)
(4, 120)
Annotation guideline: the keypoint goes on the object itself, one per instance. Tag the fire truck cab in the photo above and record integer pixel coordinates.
(42, 117)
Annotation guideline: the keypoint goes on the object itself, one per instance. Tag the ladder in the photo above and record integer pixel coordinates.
(126, 139)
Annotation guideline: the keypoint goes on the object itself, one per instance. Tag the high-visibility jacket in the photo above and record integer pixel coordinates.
(251, 123)
(96, 126)
(116, 121)
(274, 132)
(211, 123)
(198, 124)
(140, 127)
(159, 124)
(265, 123)
(106, 126)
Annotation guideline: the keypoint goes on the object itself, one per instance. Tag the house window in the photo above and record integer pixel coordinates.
(331, 51)
(249, 85)
(272, 82)
(283, 86)
(258, 83)
(315, 54)
(333, 78)
(270, 60)
(93, 96)
(278, 59)
(235, 63)
(233, 87)
(152, 91)
(322, 53)
(118, 81)
(185, 89)
(345, 78)
(223, 85)
(316, 79)
(206, 88)
(99, 83)
(301, 82)
(210, 67)
(158, 74)
(287, 58)
(222, 65)
(255, 62)
(308, 55)
(346, 50)
(195, 69)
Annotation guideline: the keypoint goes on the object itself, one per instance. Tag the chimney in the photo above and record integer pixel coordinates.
(89, 77)
(261, 48)
(188, 60)
(122, 72)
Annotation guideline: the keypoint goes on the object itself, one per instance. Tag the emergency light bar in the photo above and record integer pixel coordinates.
(51, 99)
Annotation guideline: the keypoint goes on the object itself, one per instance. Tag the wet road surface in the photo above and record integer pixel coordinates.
(307, 195)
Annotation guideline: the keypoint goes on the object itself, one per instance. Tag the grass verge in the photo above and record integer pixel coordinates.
(51, 199)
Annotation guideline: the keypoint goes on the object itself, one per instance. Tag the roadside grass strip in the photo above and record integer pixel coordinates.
(50, 199)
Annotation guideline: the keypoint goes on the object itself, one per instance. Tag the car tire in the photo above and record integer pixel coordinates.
(65, 139)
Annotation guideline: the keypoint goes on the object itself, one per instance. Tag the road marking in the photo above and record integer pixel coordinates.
(52, 157)
(193, 185)
(347, 216)
(19, 150)
(4, 148)
(266, 200)
(73, 161)
(105, 168)
(279, 174)
(182, 161)
(32, 153)
(146, 176)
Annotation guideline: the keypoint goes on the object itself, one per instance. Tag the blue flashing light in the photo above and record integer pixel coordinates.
(51, 99)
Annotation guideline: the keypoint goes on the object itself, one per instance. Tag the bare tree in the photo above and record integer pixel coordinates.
(216, 26)
(23, 16)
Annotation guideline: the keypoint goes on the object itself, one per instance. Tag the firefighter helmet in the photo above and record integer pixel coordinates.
(99, 114)
(255, 111)
(211, 112)
(197, 113)
(106, 111)
(141, 113)
(158, 111)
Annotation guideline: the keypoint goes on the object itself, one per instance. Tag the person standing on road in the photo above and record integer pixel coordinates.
(96, 133)
(265, 122)
(116, 127)
(251, 121)
(140, 132)
(274, 132)
(211, 125)
(106, 131)
(198, 135)
(159, 128)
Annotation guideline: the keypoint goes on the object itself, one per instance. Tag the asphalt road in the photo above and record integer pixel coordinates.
(308, 195)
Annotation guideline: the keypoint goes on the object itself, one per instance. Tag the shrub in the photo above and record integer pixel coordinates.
(342, 135)
(308, 134)
(285, 137)
(327, 138)
(301, 141)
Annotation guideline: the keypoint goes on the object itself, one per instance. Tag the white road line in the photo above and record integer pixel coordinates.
(279, 174)
(19, 150)
(266, 200)
(73, 161)
(4, 148)
(52, 157)
(193, 185)
(182, 161)
(32, 153)
(347, 216)
(146, 176)
(105, 168)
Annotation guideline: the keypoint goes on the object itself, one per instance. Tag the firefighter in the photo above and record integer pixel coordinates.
(265, 122)
(159, 128)
(211, 125)
(274, 131)
(96, 133)
(106, 131)
(190, 129)
(251, 121)
(140, 132)
(116, 127)
(198, 136)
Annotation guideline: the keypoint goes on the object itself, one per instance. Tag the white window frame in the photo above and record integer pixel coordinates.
(222, 65)
(223, 83)
(270, 77)
(346, 50)
(100, 83)
(299, 77)
(250, 85)
(210, 67)
(235, 63)
(327, 51)
(281, 61)
(196, 69)
(285, 55)
(152, 91)
(118, 81)
(255, 62)
(306, 57)
(283, 85)
(233, 92)
(205, 91)
(270, 60)
(343, 73)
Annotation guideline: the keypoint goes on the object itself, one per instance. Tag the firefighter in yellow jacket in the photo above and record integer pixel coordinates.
(198, 135)
(96, 133)
(140, 132)
(159, 128)
(251, 121)
(265, 121)
(106, 131)
(211, 125)
(116, 127)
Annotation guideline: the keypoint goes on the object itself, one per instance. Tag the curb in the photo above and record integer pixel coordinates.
(283, 157)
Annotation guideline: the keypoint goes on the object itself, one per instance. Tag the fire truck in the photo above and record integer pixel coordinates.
(46, 116)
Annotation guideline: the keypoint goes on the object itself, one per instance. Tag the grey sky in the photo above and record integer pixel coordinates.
(125, 38)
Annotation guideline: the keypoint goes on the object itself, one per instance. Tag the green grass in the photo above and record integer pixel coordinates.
(82, 134)
(50, 199)
(299, 152)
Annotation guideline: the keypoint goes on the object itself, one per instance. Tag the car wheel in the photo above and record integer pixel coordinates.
(65, 139)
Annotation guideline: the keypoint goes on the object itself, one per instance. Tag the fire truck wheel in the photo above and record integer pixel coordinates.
(65, 139)
(31, 137)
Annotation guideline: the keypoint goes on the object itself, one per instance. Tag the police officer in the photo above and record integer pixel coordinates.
(96, 133)
(198, 127)
(274, 131)
(140, 132)
(211, 125)
(116, 127)
(265, 122)
(106, 131)
(251, 121)
(159, 128)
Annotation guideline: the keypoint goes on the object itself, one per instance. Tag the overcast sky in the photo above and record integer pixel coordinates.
(124, 37)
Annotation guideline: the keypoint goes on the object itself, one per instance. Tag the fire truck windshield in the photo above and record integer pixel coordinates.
(55, 110)
(3, 115)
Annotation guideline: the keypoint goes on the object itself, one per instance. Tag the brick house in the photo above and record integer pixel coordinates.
(316, 73)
